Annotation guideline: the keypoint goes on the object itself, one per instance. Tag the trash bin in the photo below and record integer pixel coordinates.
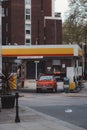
(66, 84)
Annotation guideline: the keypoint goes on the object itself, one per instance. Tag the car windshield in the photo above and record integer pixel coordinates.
(46, 77)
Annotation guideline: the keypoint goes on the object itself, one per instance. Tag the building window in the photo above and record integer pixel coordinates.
(27, 11)
(27, 26)
(27, 31)
(27, 14)
(27, 40)
(27, 17)
(28, 1)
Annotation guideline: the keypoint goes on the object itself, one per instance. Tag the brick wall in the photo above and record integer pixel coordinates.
(15, 20)
(53, 31)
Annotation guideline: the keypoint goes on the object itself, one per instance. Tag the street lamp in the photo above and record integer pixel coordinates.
(17, 118)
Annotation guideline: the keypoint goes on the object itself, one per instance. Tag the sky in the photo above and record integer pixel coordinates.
(61, 6)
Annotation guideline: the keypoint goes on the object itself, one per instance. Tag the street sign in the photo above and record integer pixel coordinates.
(36, 61)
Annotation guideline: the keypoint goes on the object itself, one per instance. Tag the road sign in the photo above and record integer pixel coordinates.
(36, 61)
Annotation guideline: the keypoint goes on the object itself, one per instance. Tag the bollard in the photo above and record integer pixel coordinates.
(17, 119)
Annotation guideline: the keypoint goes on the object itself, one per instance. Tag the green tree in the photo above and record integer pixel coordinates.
(74, 27)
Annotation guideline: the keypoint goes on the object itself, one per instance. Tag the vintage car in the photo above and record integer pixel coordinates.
(46, 83)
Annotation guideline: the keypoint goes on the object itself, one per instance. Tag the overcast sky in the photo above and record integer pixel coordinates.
(61, 6)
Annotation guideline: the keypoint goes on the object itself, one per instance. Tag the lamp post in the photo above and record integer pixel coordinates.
(17, 118)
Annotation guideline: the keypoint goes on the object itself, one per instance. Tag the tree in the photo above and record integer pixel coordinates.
(78, 8)
(76, 22)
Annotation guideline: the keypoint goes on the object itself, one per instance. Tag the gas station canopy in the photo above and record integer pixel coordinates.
(41, 50)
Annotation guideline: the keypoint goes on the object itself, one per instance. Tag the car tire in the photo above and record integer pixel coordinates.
(54, 90)
(37, 90)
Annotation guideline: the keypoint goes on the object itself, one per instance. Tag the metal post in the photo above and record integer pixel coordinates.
(83, 58)
(77, 69)
(85, 62)
(85, 72)
(17, 119)
(36, 70)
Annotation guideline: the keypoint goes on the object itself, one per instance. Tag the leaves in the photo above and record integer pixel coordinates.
(75, 23)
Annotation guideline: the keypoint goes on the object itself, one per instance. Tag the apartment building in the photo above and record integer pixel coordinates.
(31, 22)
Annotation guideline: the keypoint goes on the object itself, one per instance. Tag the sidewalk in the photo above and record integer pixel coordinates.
(32, 120)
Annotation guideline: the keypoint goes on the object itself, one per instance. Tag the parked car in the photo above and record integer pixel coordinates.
(45, 83)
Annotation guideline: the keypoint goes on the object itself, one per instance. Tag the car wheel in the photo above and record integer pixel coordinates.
(37, 90)
(54, 90)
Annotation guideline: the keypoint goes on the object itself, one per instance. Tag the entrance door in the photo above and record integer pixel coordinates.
(31, 69)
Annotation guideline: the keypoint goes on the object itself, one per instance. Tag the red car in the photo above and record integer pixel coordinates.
(45, 83)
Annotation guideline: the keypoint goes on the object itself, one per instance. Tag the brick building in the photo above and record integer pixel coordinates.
(31, 22)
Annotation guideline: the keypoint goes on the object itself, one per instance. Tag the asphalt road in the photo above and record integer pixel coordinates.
(67, 107)
(73, 114)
